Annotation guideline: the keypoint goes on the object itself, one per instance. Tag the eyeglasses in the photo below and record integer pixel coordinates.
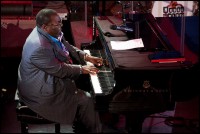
(60, 24)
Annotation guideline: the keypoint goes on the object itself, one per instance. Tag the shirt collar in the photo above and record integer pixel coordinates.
(56, 39)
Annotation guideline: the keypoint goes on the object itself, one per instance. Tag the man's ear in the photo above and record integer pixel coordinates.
(44, 27)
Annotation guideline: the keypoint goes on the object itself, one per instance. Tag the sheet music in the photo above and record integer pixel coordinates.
(125, 45)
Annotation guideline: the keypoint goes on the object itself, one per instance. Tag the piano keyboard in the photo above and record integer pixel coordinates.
(102, 82)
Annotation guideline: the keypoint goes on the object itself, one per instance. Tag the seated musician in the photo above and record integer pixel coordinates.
(47, 73)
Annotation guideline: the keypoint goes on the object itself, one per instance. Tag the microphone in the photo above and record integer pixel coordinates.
(122, 28)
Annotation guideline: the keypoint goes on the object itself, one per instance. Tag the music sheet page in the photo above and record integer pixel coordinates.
(125, 45)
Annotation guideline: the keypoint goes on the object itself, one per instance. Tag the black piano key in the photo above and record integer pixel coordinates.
(106, 80)
(106, 85)
(103, 68)
(104, 75)
(106, 89)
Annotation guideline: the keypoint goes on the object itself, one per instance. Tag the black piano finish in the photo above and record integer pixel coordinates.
(140, 86)
(132, 69)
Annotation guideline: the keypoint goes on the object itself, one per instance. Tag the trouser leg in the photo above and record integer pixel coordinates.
(87, 114)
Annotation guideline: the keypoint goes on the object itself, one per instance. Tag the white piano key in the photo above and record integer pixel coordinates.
(104, 71)
(94, 78)
(96, 84)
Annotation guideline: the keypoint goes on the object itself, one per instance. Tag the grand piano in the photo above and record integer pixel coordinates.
(128, 82)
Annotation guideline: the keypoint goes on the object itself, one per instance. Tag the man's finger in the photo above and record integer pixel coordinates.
(92, 72)
(100, 62)
(94, 69)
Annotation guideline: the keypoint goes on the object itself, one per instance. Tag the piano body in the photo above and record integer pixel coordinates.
(128, 82)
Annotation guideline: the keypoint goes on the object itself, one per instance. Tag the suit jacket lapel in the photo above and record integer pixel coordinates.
(71, 50)
(60, 54)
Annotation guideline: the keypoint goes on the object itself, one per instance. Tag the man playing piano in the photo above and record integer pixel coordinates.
(47, 74)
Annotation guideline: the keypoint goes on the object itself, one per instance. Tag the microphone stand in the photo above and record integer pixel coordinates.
(123, 14)
(124, 6)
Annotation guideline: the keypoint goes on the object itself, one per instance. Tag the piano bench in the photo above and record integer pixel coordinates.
(27, 116)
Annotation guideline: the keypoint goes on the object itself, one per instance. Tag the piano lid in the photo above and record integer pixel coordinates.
(183, 36)
(155, 38)
(177, 33)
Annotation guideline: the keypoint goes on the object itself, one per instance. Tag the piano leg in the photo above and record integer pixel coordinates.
(134, 122)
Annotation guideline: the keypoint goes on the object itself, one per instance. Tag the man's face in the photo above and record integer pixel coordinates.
(54, 27)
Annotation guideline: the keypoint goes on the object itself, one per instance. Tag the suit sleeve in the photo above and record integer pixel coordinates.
(44, 59)
(80, 52)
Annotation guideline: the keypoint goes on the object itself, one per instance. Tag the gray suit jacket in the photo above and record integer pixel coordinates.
(45, 80)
